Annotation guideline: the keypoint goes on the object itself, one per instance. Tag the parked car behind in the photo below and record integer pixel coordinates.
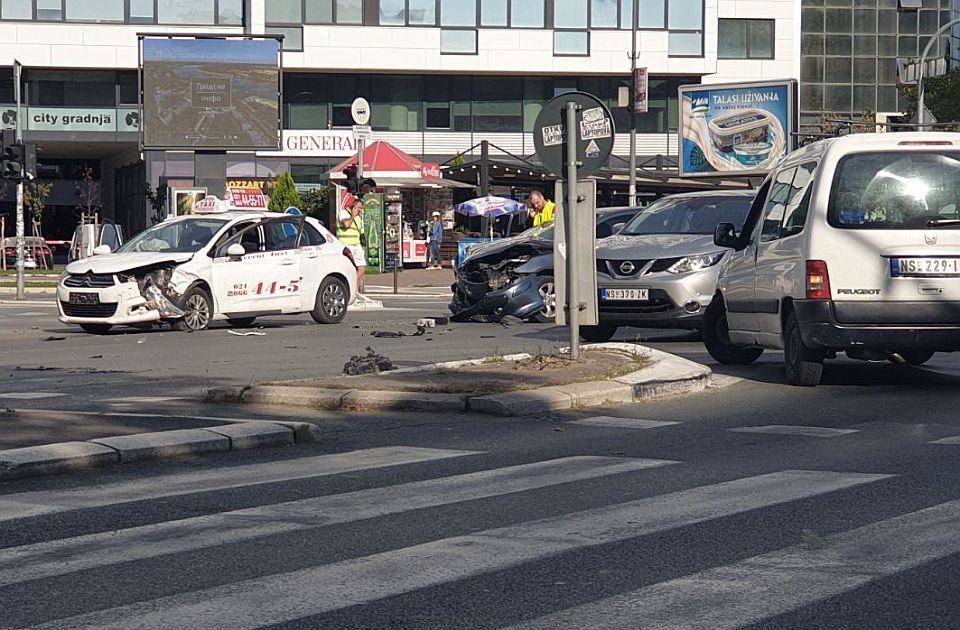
(515, 276)
(36, 252)
(660, 270)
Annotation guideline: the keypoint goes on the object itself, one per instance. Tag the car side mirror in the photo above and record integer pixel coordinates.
(236, 250)
(101, 250)
(617, 227)
(726, 235)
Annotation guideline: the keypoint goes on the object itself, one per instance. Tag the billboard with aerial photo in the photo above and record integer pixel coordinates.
(210, 93)
(736, 129)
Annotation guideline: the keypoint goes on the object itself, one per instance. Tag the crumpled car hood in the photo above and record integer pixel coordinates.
(117, 263)
(651, 246)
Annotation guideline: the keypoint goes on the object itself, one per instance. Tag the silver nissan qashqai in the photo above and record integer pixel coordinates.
(660, 269)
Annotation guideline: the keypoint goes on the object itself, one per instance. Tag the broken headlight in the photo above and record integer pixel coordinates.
(695, 263)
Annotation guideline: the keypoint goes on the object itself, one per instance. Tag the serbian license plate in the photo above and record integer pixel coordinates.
(613, 295)
(84, 298)
(925, 266)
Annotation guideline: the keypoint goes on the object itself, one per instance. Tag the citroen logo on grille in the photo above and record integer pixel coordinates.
(627, 268)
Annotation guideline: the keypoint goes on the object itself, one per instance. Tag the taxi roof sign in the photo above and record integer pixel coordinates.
(210, 204)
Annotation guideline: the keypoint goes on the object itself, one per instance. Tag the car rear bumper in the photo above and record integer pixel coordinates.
(819, 327)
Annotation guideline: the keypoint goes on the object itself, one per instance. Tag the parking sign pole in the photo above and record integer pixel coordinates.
(573, 300)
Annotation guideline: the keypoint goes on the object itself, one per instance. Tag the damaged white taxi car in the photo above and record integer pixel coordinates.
(193, 270)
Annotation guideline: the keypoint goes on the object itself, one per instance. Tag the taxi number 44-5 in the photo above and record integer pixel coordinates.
(925, 266)
(272, 288)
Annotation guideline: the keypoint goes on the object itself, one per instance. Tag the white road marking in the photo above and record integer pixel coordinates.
(59, 557)
(278, 598)
(30, 395)
(622, 423)
(145, 399)
(772, 584)
(947, 440)
(24, 504)
(787, 429)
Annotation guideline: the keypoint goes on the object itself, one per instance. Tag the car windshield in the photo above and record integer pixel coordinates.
(188, 235)
(689, 215)
(896, 191)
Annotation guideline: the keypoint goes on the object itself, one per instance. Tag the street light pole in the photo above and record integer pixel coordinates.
(632, 190)
(21, 230)
(935, 38)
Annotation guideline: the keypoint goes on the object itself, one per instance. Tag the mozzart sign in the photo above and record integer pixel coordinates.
(316, 143)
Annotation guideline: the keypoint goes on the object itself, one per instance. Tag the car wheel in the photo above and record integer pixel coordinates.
(599, 333)
(197, 310)
(96, 329)
(548, 291)
(916, 357)
(804, 365)
(716, 337)
(331, 304)
(241, 322)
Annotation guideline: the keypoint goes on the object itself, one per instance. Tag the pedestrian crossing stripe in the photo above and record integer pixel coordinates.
(285, 597)
(59, 557)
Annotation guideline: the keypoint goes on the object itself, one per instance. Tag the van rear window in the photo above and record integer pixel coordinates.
(896, 191)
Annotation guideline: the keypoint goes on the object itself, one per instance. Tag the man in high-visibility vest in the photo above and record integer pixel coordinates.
(349, 231)
(540, 209)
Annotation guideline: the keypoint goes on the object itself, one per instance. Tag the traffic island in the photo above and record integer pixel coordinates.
(513, 385)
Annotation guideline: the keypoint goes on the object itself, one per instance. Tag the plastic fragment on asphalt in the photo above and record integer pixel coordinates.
(55, 339)
(247, 333)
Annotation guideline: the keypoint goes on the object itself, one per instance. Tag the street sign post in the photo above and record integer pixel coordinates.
(364, 133)
(360, 111)
(583, 224)
(573, 136)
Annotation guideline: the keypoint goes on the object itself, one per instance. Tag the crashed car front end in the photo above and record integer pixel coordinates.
(489, 289)
(141, 295)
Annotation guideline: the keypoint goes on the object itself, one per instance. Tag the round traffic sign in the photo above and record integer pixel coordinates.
(360, 110)
(594, 134)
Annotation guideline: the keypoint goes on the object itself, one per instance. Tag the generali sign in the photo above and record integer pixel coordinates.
(316, 143)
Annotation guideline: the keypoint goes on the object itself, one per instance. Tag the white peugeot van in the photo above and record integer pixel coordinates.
(852, 245)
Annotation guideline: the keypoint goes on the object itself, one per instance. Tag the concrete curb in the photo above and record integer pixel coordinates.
(74, 456)
(669, 375)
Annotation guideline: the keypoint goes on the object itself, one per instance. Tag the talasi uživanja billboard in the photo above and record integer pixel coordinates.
(210, 93)
(735, 129)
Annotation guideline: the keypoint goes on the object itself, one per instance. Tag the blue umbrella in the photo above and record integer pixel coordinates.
(490, 206)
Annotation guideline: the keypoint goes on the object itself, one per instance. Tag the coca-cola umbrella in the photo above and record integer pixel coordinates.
(491, 207)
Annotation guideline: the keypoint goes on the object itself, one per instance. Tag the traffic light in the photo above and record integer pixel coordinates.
(352, 183)
(11, 158)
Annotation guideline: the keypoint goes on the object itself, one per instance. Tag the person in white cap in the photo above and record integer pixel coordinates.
(434, 238)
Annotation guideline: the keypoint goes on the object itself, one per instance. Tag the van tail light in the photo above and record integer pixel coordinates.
(349, 255)
(818, 280)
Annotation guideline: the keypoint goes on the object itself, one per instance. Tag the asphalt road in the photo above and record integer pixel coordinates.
(752, 505)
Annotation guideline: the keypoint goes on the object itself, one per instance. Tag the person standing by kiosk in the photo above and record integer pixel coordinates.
(434, 238)
(350, 233)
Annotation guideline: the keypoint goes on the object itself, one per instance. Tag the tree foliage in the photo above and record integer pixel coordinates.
(316, 202)
(35, 198)
(89, 192)
(284, 194)
(941, 96)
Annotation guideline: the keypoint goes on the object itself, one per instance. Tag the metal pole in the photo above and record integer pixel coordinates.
(573, 300)
(935, 38)
(632, 191)
(21, 240)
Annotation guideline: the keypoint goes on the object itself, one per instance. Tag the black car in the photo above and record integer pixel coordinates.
(514, 276)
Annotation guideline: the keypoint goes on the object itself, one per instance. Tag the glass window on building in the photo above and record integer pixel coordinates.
(284, 12)
(461, 95)
(141, 12)
(746, 39)
(64, 88)
(571, 43)
(53, 10)
(305, 99)
(16, 10)
(526, 13)
(393, 12)
(494, 13)
(436, 104)
(569, 14)
(685, 15)
(422, 12)
(230, 12)
(86, 11)
(348, 12)
(497, 105)
(292, 36)
(458, 13)
(318, 12)
(395, 102)
(680, 44)
(652, 14)
(603, 13)
(343, 89)
(185, 11)
(458, 42)
(536, 92)
(128, 87)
